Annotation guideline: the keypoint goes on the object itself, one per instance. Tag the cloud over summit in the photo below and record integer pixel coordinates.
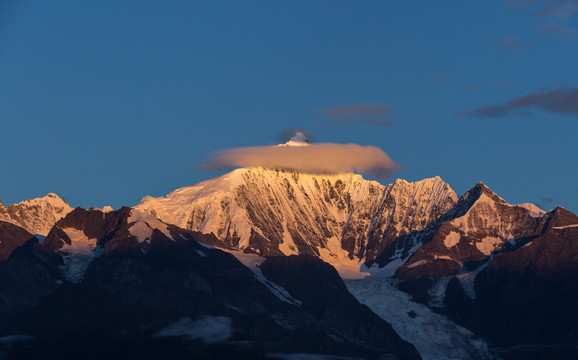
(326, 158)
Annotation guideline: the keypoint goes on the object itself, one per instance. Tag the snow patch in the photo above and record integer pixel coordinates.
(288, 246)
(467, 282)
(535, 211)
(434, 335)
(444, 257)
(564, 227)
(452, 239)
(211, 329)
(14, 339)
(303, 356)
(206, 246)
(437, 293)
(253, 261)
(202, 254)
(417, 263)
(397, 260)
(467, 279)
(335, 255)
(40, 238)
(143, 225)
(488, 244)
(389, 269)
(78, 255)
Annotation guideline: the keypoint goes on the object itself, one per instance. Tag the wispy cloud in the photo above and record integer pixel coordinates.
(507, 83)
(509, 44)
(547, 8)
(441, 78)
(546, 203)
(520, 3)
(368, 114)
(325, 158)
(560, 101)
(556, 29)
(558, 9)
(474, 86)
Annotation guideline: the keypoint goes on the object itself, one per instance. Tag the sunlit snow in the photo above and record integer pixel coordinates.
(143, 225)
(564, 227)
(347, 268)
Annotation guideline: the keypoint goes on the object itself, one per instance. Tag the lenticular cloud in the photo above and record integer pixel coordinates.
(316, 159)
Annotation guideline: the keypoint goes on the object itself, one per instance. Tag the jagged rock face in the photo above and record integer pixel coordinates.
(84, 235)
(480, 224)
(405, 208)
(36, 215)
(273, 212)
(28, 275)
(11, 237)
(526, 295)
(322, 292)
(270, 212)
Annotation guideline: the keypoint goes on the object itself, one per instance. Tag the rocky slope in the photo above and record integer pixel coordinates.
(505, 272)
(478, 225)
(339, 217)
(36, 215)
(477, 259)
(11, 237)
(139, 285)
(525, 295)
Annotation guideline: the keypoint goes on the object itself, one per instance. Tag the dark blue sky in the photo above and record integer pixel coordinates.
(104, 102)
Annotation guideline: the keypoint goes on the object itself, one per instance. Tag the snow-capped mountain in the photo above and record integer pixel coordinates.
(476, 258)
(526, 294)
(341, 218)
(36, 215)
(478, 225)
(422, 256)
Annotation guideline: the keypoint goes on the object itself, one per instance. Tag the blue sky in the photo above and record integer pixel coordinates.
(104, 102)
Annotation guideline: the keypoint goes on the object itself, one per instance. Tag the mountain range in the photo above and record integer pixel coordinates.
(265, 263)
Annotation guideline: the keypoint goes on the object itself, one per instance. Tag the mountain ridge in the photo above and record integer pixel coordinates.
(283, 233)
(36, 215)
(341, 218)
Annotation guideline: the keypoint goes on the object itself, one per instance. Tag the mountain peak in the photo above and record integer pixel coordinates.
(299, 139)
(37, 215)
(482, 189)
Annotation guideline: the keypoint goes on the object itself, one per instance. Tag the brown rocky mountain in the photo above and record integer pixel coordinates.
(479, 224)
(526, 294)
(11, 237)
(135, 280)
